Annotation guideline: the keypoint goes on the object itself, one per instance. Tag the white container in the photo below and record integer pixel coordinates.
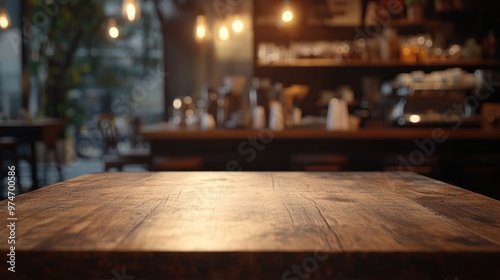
(276, 117)
(207, 122)
(338, 115)
(258, 118)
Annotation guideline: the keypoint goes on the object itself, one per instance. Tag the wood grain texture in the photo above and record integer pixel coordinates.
(255, 225)
(167, 132)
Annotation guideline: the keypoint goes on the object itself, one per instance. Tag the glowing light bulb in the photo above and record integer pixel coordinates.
(4, 22)
(177, 103)
(223, 33)
(287, 15)
(4, 18)
(131, 10)
(113, 30)
(237, 25)
(201, 32)
(415, 118)
(201, 28)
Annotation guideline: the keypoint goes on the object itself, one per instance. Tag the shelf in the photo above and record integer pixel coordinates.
(332, 62)
(396, 23)
(436, 86)
(393, 23)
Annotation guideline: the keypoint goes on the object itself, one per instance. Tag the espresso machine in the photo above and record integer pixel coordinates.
(439, 99)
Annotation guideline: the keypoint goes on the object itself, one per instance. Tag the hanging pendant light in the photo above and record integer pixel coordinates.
(237, 24)
(223, 32)
(131, 10)
(4, 17)
(113, 31)
(201, 28)
(287, 15)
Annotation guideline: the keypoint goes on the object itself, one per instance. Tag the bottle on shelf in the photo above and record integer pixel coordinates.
(209, 97)
(489, 46)
(223, 106)
(259, 95)
(276, 111)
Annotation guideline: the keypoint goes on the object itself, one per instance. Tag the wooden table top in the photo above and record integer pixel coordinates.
(164, 131)
(255, 225)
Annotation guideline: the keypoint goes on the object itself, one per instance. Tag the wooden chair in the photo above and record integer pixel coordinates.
(113, 157)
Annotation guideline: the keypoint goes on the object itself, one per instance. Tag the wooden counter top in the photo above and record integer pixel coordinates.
(164, 131)
(254, 225)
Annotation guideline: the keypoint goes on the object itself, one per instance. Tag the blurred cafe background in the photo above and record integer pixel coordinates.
(250, 85)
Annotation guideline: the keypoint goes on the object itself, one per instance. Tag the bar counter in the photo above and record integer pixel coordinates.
(165, 131)
(467, 157)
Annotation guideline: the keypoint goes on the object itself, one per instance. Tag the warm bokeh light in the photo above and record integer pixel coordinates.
(201, 28)
(177, 103)
(131, 10)
(4, 22)
(237, 26)
(223, 33)
(406, 51)
(4, 18)
(415, 118)
(201, 32)
(113, 30)
(287, 15)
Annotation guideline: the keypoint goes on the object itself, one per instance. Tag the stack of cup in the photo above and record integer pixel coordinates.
(338, 115)
(277, 117)
(258, 117)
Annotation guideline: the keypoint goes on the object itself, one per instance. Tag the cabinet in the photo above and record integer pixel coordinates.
(326, 72)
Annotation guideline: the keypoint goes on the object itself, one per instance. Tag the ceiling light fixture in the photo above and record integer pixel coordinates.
(237, 25)
(113, 30)
(201, 28)
(287, 15)
(223, 32)
(131, 10)
(4, 17)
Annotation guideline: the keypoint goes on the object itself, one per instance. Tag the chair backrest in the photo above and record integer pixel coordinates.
(50, 135)
(107, 127)
(135, 126)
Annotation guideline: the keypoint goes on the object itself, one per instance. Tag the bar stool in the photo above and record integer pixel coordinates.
(8, 152)
(177, 164)
(480, 173)
(319, 162)
(429, 166)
